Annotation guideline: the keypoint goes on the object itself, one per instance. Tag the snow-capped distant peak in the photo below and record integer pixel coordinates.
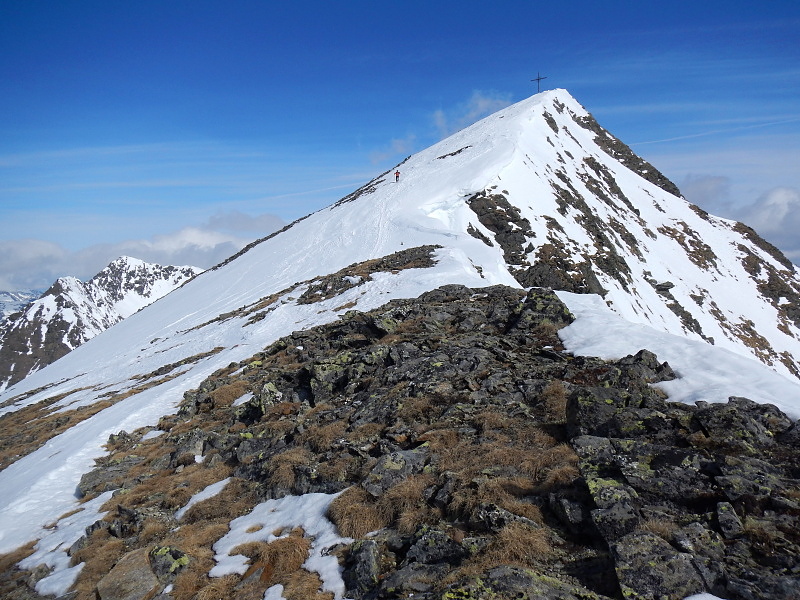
(71, 312)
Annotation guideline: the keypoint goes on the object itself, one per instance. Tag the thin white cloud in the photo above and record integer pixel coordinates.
(724, 130)
(36, 264)
(776, 212)
(396, 147)
(712, 192)
(479, 105)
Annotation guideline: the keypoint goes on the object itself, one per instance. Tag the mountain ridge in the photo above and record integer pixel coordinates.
(512, 201)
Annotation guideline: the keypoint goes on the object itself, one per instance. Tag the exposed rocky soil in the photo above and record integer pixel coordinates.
(487, 461)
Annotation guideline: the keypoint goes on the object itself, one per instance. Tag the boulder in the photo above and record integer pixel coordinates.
(521, 584)
(362, 568)
(648, 567)
(431, 546)
(393, 468)
(130, 579)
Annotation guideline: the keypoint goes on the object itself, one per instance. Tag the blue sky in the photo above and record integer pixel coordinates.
(177, 131)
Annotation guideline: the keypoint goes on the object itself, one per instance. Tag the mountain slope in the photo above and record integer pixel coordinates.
(72, 312)
(536, 194)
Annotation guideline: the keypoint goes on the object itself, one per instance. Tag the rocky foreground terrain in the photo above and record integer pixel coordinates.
(475, 459)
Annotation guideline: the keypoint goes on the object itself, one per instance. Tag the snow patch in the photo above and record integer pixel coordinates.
(208, 492)
(307, 511)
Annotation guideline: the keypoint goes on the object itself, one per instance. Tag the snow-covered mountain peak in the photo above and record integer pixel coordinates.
(71, 312)
(540, 194)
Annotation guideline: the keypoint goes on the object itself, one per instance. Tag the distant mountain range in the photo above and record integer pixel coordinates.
(12, 302)
(71, 312)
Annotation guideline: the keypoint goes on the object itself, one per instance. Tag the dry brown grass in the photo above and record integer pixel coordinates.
(338, 468)
(278, 428)
(270, 563)
(282, 409)
(12, 579)
(319, 408)
(547, 330)
(505, 492)
(354, 513)
(235, 500)
(304, 585)
(152, 530)
(440, 440)
(225, 395)
(791, 493)
(320, 438)
(365, 432)
(148, 491)
(99, 555)
(30, 427)
(417, 409)
(663, 528)
(554, 397)
(518, 544)
(170, 489)
(491, 419)
(553, 466)
(283, 465)
(220, 588)
(10, 559)
(284, 556)
(560, 476)
(404, 505)
(196, 540)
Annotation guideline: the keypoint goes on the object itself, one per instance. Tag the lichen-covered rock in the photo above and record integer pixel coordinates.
(394, 468)
(730, 525)
(166, 562)
(130, 579)
(362, 568)
(431, 546)
(648, 567)
(743, 425)
(524, 584)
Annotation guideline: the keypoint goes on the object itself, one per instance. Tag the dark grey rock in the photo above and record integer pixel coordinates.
(394, 468)
(431, 546)
(362, 568)
(648, 567)
(729, 523)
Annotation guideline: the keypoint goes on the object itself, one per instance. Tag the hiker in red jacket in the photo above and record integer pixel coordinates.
(396, 176)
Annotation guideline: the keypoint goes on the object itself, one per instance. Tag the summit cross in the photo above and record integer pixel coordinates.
(538, 81)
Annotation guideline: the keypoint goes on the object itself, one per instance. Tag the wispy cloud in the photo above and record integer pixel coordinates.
(36, 264)
(403, 146)
(480, 104)
(724, 130)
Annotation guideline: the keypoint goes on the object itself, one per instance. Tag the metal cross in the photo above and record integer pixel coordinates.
(538, 82)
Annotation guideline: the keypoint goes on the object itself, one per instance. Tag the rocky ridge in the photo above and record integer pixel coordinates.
(475, 458)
